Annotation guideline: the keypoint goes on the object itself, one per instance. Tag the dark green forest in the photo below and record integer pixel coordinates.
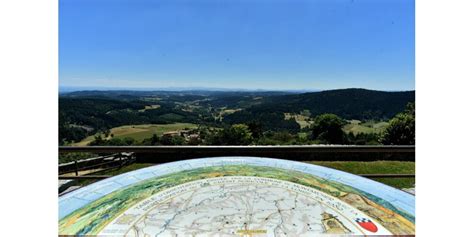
(239, 118)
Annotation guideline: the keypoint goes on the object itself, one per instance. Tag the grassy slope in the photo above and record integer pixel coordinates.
(375, 167)
(140, 132)
(303, 120)
(357, 126)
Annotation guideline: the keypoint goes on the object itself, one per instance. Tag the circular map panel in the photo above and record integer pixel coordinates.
(236, 196)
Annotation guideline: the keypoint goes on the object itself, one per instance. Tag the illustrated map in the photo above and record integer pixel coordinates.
(236, 196)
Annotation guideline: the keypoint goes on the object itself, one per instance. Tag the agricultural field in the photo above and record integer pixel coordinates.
(140, 132)
(303, 120)
(149, 107)
(222, 112)
(357, 126)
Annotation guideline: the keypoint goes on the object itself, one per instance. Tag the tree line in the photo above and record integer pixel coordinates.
(90, 112)
(326, 129)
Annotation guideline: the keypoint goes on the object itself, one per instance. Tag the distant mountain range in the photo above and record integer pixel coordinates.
(68, 89)
(350, 103)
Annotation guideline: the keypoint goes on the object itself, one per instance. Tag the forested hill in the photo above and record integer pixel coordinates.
(85, 113)
(359, 104)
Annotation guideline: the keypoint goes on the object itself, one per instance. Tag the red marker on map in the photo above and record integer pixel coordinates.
(367, 224)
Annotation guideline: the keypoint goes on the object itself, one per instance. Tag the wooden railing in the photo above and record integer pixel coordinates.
(162, 154)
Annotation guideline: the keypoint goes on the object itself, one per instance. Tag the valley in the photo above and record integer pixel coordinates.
(272, 117)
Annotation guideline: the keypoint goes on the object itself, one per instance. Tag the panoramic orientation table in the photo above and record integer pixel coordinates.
(236, 196)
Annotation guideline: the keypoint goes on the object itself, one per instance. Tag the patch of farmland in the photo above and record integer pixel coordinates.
(140, 132)
(357, 126)
(303, 120)
(149, 107)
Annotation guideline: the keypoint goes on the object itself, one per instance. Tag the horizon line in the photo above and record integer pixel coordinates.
(69, 89)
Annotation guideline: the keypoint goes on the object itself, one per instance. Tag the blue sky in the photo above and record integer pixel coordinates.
(248, 44)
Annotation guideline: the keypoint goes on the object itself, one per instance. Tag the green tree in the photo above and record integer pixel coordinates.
(98, 141)
(282, 137)
(128, 141)
(115, 142)
(327, 128)
(172, 140)
(237, 134)
(151, 141)
(401, 128)
(363, 138)
(107, 133)
(154, 139)
(256, 128)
